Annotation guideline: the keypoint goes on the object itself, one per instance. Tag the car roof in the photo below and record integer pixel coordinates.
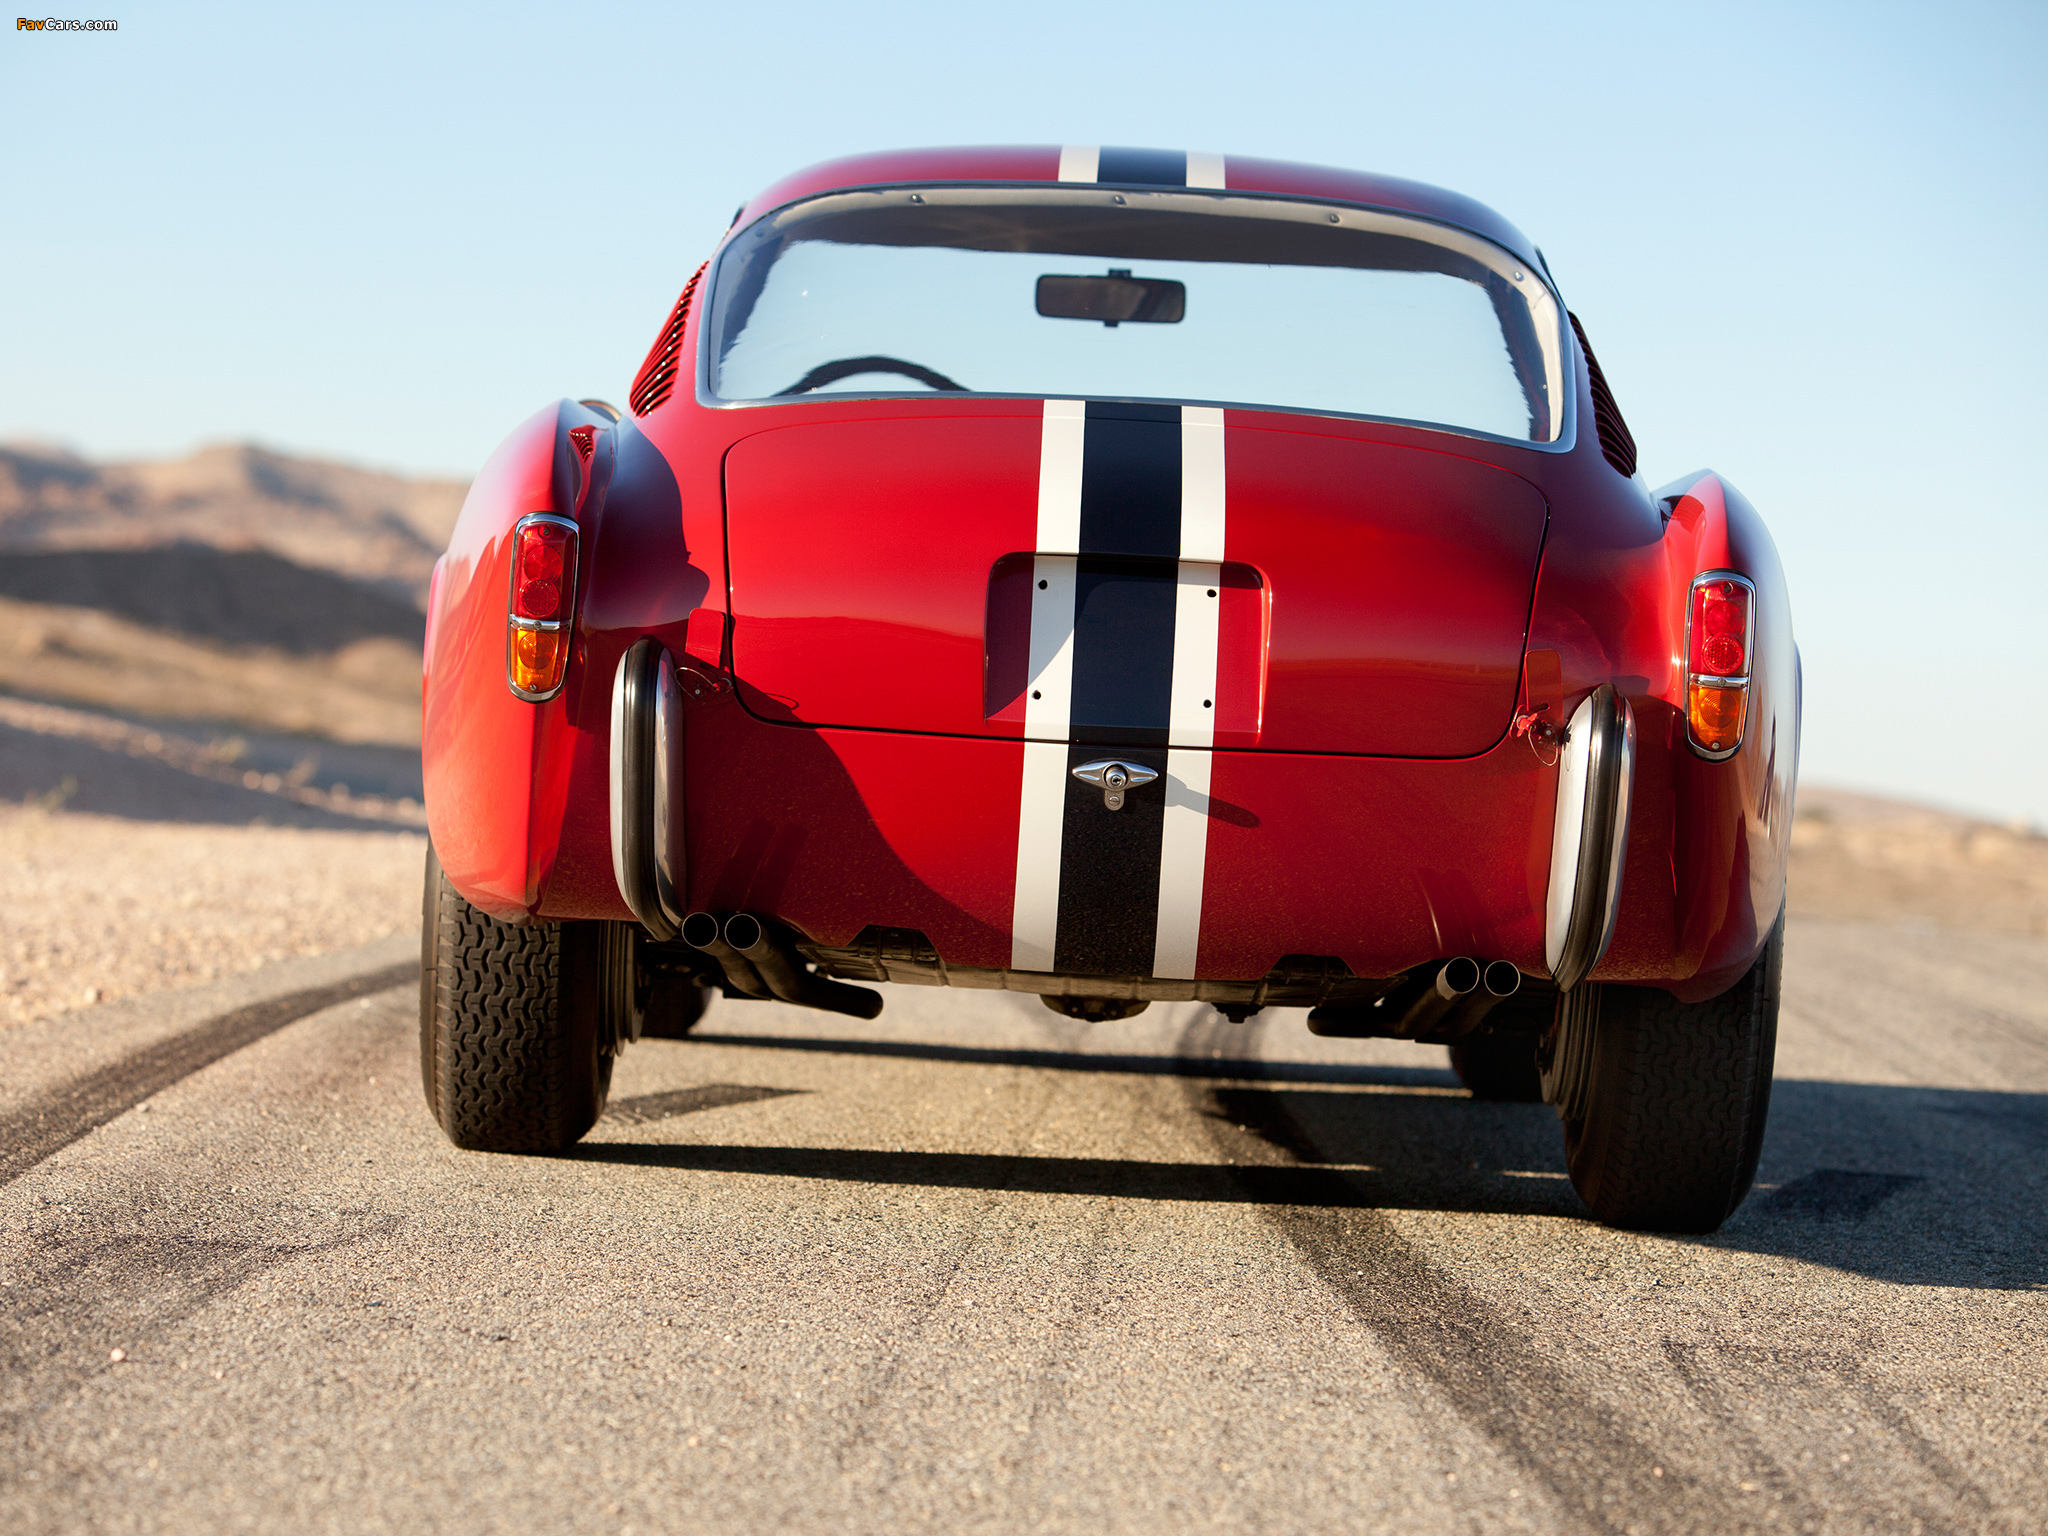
(1143, 169)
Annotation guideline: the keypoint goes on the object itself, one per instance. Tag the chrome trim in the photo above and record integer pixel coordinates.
(1566, 440)
(1748, 657)
(556, 518)
(519, 623)
(1589, 838)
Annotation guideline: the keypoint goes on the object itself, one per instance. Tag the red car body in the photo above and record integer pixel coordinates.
(1405, 619)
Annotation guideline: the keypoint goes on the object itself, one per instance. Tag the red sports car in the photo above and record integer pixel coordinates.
(1122, 576)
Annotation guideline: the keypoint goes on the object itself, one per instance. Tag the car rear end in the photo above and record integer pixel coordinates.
(1234, 499)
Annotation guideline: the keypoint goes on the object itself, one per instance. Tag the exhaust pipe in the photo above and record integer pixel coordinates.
(1457, 981)
(1499, 982)
(1457, 978)
(783, 972)
(702, 931)
(1452, 1004)
(1413, 1009)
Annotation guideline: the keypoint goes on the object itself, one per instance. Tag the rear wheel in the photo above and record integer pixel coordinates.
(1500, 1068)
(1664, 1102)
(515, 1052)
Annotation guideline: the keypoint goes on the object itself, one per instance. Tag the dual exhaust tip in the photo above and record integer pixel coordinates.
(1463, 976)
(759, 962)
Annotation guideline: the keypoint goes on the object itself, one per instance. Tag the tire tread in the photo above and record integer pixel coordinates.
(1678, 1102)
(507, 1065)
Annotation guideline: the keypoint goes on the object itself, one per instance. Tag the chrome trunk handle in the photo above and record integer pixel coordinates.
(1113, 778)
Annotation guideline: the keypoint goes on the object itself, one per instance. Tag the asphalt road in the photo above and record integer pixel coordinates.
(977, 1267)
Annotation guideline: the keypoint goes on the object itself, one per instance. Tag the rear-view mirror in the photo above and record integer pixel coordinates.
(1112, 299)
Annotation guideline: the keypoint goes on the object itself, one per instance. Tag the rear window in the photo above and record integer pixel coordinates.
(1171, 296)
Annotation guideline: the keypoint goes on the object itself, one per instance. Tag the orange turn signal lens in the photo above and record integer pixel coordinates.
(1715, 714)
(539, 657)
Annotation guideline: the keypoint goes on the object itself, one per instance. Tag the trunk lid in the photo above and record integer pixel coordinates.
(1130, 575)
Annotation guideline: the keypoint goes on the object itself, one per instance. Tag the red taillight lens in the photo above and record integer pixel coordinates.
(542, 604)
(1719, 634)
(1720, 627)
(542, 559)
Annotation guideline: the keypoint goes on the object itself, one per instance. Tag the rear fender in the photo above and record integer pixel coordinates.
(1704, 872)
(495, 766)
(1731, 820)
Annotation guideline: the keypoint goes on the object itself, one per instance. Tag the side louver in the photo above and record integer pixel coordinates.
(1615, 441)
(657, 377)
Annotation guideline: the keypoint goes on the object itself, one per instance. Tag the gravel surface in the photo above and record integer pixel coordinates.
(102, 907)
(143, 855)
(975, 1267)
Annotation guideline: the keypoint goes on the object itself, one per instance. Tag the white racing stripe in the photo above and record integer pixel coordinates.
(1184, 847)
(1201, 482)
(1183, 861)
(1204, 169)
(1048, 697)
(1035, 923)
(1078, 161)
(1059, 477)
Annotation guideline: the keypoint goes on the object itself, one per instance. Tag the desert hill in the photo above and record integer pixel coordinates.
(236, 585)
(378, 529)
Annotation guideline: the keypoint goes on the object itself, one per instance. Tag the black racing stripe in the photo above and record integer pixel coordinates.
(1109, 871)
(1142, 167)
(1125, 595)
(1123, 651)
(1130, 481)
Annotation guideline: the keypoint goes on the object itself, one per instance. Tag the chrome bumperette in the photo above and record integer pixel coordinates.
(667, 810)
(1589, 838)
(646, 781)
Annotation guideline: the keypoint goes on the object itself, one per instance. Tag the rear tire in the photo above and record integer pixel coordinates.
(514, 1055)
(1673, 1100)
(1499, 1068)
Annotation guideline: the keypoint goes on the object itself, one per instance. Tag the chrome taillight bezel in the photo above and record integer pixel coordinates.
(570, 591)
(1714, 679)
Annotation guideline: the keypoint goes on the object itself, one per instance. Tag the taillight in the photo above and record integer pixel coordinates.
(1720, 629)
(542, 603)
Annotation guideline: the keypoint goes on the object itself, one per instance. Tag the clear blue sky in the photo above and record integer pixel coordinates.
(1799, 235)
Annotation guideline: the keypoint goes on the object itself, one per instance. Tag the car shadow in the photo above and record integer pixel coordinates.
(1232, 1069)
(1912, 1186)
